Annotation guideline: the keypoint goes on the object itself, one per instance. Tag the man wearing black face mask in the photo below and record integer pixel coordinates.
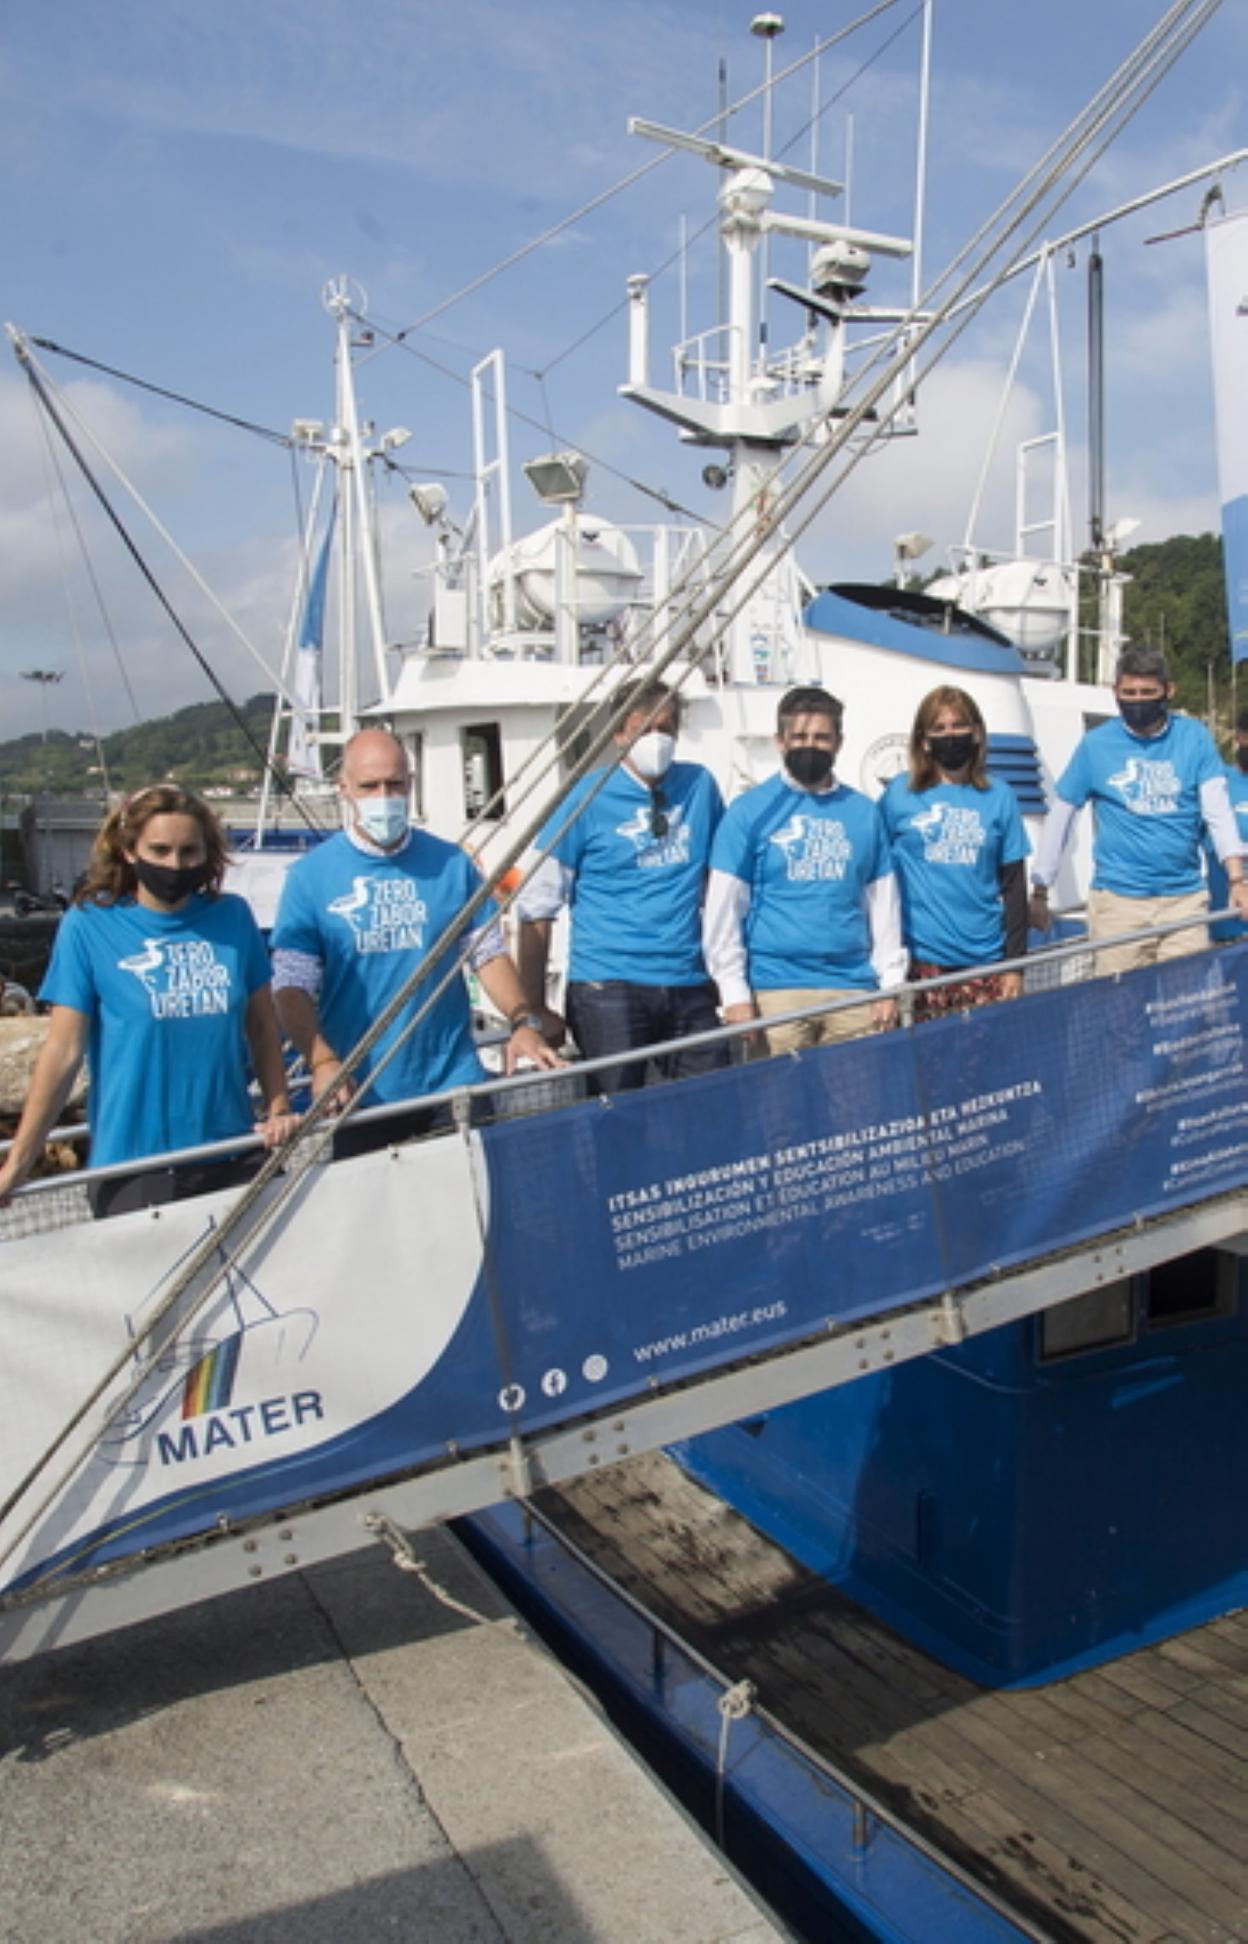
(1156, 785)
(802, 904)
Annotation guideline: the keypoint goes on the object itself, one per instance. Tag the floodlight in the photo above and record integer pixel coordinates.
(912, 546)
(397, 436)
(557, 477)
(304, 431)
(429, 500)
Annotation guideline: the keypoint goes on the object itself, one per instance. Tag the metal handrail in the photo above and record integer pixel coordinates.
(517, 1084)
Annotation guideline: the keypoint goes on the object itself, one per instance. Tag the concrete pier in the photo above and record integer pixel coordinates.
(344, 1756)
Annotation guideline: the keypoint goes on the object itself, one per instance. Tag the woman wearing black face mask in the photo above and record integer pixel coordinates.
(164, 980)
(958, 849)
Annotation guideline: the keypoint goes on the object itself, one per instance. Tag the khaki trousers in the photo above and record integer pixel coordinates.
(825, 1029)
(1110, 914)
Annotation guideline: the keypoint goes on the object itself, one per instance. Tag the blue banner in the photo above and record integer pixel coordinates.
(670, 1231)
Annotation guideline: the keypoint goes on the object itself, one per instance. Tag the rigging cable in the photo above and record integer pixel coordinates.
(635, 175)
(128, 542)
(396, 340)
(89, 568)
(804, 129)
(160, 391)
(21, 348)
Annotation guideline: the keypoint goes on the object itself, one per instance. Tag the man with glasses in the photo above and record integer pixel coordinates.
(627, 854)
(802, 905)
(1155, 783)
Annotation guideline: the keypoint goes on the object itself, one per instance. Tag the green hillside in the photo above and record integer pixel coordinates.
(201, 746)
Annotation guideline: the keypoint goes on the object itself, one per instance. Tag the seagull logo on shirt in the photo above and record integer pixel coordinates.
(352, 903)
(648, 849)
(144, 963)
(1148, 788)
(928, 822)
(813, 847)
(952, 833)
(793, 834)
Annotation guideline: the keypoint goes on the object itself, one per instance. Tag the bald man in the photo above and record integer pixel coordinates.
(356, 915)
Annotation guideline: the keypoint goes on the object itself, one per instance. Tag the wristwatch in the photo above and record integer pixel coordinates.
(517, 1020)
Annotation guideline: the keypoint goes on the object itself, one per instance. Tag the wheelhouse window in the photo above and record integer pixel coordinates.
(414, 744)
(482, 748)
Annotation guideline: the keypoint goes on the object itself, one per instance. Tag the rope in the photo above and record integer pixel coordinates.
(734, 1705)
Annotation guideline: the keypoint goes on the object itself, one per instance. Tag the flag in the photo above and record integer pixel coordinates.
(304, 754)
(1226, 247)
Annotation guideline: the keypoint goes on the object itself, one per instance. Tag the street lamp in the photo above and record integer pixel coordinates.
(44, 677)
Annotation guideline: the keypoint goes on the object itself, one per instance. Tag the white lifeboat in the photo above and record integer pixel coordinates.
(608, 576)
(1030, 601)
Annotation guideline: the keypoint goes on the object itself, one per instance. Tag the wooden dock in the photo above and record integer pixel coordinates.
(1112, 1805)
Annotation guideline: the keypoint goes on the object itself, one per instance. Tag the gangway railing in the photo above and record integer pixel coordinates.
(428, 1329)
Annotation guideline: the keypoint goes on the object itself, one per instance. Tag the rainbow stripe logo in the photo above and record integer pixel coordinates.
(209, 1384)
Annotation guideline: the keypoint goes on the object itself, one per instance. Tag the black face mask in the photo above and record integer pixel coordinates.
(955, 751)
(1143, 716)
(168, 883)
(808, 766)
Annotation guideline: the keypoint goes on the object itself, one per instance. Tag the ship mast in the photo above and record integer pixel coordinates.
(740, 395)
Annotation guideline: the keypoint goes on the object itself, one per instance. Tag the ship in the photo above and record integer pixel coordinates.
(866, 1425)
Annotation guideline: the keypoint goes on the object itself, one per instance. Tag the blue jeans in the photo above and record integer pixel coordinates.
(616, 1016)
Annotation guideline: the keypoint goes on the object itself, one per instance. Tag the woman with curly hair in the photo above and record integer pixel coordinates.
(958, 850)
(161, 980)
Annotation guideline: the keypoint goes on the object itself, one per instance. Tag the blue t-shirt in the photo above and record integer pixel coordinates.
(949, 844)
(637, 899)
(1219, 887)
(369, 919)
(166, 993)
(1145, 794)
(808, 859)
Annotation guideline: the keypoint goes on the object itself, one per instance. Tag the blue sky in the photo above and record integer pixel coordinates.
(182, 179)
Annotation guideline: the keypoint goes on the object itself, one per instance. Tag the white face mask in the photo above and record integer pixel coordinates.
(382, 818)
(651, 755)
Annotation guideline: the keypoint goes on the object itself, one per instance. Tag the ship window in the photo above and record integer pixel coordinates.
(1191, 1286)
(1093, 1321)
(414, 744)
(483, 771)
